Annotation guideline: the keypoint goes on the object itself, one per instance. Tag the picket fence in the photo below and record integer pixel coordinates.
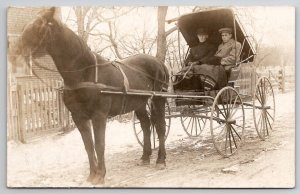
(35, 109)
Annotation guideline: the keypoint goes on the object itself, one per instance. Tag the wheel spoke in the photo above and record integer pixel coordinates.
(260, 95)
(232, 107)
(263, 125)
(235, 110)
(238, 125)
(266, 93)
(225, 111)
(199, 124)
(192, 126)
(196, 125)
(263, 91)
(221, 112)
(270, 115)
(259, 100)
(227, 103)
(204, 122)
(235, 132)
(139, 132)
(184, 118)
(189, 123)
(259, 119)
(233, 138)
(220, 134)
(226, 139)
(229, 138)
(269, 122)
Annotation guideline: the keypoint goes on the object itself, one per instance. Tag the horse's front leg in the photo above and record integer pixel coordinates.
(99, 125)
(158, 117)
(84, 127)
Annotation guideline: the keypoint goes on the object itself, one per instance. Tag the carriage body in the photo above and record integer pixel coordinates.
(242, 74)
(220, 109)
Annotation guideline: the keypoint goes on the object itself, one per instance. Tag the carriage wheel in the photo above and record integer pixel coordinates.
(194, 119)
(227, 121)
(154, 138)
(264, 108)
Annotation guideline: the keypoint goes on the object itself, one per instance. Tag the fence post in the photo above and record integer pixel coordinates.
(20, 113)
(281, 80)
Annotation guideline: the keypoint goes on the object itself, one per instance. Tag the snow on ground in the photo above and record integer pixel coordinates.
(61, 160)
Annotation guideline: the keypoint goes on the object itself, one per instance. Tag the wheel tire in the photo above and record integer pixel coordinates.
(153, 137)
(227, 121)
(263, 108)
(193, 119)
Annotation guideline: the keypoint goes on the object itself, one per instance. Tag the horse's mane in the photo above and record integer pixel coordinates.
(72, 37)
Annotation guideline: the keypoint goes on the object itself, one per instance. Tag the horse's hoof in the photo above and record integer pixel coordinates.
(90, 177)
(144, 162)
(98, 180)
(160, 166)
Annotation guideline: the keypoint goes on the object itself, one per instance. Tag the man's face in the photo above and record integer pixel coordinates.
(226, 36)
(202, 37)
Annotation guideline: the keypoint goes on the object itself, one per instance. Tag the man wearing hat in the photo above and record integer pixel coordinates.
(203, 50)
(229, 50)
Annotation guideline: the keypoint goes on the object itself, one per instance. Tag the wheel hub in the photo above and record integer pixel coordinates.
(231, 121)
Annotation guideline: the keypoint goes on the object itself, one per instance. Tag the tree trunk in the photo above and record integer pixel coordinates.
(80, 13)
(161, 34)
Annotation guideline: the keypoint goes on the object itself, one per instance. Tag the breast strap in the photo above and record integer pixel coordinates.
(125, 79)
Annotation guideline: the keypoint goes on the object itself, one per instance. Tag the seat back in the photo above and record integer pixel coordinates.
(234, 74)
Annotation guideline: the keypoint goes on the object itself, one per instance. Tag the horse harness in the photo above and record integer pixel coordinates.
(103, 87)
(125, 87)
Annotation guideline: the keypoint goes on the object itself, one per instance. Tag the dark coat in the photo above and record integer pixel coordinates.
(200, 52)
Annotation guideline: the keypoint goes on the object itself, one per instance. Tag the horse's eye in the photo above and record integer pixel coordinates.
(50, 23)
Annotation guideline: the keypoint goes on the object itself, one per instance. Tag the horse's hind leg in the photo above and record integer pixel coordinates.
(84, 128)
(142, 115)
(99, 124)
(158, 118)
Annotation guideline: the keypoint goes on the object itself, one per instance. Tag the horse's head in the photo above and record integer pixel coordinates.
(38, 33)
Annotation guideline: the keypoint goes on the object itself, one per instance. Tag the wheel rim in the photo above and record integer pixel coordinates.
(193, 119)
(264, 108)
(227, 121)
(153, 136)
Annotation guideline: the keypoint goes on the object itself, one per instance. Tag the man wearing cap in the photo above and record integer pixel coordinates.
(203, 50)
(229, 50)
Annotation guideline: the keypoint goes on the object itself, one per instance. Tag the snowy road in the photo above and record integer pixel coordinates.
(61, 161)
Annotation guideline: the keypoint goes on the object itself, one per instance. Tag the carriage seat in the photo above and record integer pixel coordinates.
(232, 74)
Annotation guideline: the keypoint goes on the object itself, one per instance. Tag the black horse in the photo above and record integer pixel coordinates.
(77, 64)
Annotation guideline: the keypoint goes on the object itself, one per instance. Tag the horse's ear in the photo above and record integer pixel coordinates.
(49, 13)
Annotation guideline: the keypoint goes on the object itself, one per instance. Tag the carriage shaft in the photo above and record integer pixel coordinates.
(155, 94)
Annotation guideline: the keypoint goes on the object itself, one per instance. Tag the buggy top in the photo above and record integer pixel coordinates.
(213, 20)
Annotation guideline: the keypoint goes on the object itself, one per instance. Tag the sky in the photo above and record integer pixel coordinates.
(272, 26)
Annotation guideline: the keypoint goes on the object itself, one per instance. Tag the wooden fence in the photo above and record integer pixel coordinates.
(282, 77)
(36, 108)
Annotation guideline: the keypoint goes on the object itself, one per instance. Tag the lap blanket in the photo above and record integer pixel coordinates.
(201, 77)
